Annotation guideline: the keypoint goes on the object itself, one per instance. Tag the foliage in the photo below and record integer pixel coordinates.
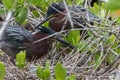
(106, 43)
(9, 4)
(2, 71)
(60, 72)
(21, 59)
(71, 77)
(73, 37)
(99, 11)
(22, 14)
(22, 7)
(43, 74)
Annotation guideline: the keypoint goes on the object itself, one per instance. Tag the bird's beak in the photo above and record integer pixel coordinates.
(48, 17)
(43, 21)
(48, 14)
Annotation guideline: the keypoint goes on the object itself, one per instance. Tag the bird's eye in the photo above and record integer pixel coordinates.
(19, 40)
(56, 15)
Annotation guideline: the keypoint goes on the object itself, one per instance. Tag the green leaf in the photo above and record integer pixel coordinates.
(111, 39)
(21, 2)
(83, 45)
(9, 4)
(60, 72)
(46, 74)
(2, 11)
(22, 15)
(113, 4)
(2, 71)
(0, 1)
(118, 50)
(46, 24)
(39, 72)
(98, 59)
(35, 2)
(73, 37)
(99, 11)
(35, 14)
(21, 59)
(71, 77)
(47, 66)
(43, 74)
(110, 57)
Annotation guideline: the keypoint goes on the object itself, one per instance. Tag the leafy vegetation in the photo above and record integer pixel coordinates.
(21, 59)
(60, 73)
(2, 71)
(98, 52)
(43, 74)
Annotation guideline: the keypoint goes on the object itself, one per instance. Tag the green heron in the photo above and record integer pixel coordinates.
(16, 38)
(59, 16)
(43, 47)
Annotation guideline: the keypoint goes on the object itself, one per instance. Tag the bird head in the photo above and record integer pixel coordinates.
(54, 8)
(15, 37)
